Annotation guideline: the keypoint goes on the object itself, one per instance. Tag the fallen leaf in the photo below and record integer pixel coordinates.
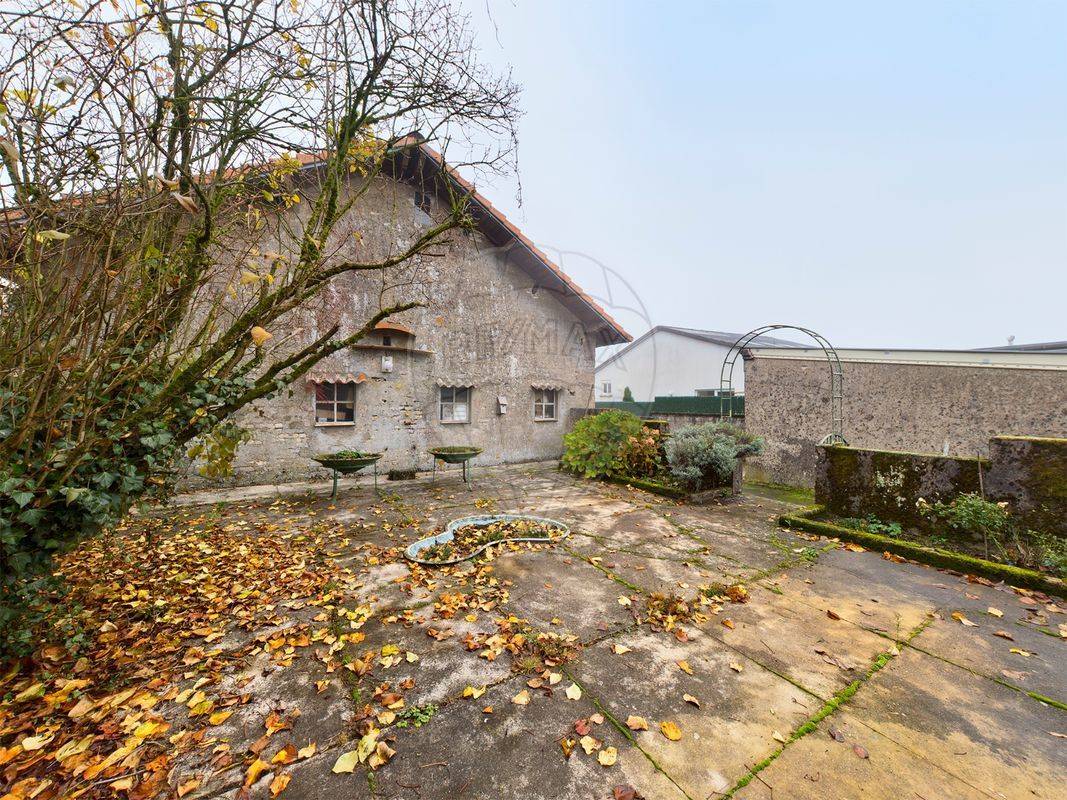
(624, 601)
(860, 751)
(522, 698)
(626, 792)
(381, 755)
(473, 693)
(619, 649)
(996, 612)
(597, 718)
(690, 699)
(832, 614)
(257, 768)
(671, 731)
(190, 785)
(684, 667)
(636, 723)
(607, 757)
(346, 762)
(589, 744)
(219, 717)
(582, 727)
(306, 752)
(1004, 635)
(736, 667)
(279, 782)
(729, 623)
(958, 616)
(777, 736)
(567, 746)
(1021, 652)
(836, 734)
(574, 692)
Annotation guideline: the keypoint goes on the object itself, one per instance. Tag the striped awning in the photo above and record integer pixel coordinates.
(335, 377)
(556, 386)
(459, 383)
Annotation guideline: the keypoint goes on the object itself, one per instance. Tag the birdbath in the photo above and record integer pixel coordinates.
(348, 462)
(460, 454)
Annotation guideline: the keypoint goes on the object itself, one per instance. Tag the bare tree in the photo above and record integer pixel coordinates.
(174, 181)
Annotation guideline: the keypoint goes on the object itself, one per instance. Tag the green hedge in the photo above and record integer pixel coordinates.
(698, 406)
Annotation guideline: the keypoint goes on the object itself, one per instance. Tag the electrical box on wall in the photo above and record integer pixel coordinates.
(387, 363)
(501, 404)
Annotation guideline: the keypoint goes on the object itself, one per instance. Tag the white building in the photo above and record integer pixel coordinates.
(670, 361)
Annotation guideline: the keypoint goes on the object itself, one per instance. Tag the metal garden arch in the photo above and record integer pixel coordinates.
(837, 384)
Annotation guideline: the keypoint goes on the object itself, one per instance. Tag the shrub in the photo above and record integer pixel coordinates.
(705, 455)
(627, 395)
(611, 443)
(973, 514)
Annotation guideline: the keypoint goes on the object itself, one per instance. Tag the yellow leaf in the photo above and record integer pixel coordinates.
(589, 744)
(258, 767)
(306, 752)
(619, 649)
(260, 335)
(73, 748)
(778, 737)
(471, 692)
(574, 692)
(624, 601)
(248, 277)
(366, 745)
(31, 743)
(219, 717)
(278, 784)
(522, 698)
(1021, 652)
(671, 731)
(554, 678)
(636, 723)
(189, 786)
(690, 699)
(37, 690)
(607, 757)
(211, 25)
(387, 718)
(346, 762)
(51, 236)
(958, 616)
(996, 612)
(186, 202)
(735, 666)
(684, 667)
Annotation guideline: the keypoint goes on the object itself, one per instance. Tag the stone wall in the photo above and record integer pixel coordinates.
(931, 408)
(485, 323)
(851, 482)
(1028, 473)
(1031, 474)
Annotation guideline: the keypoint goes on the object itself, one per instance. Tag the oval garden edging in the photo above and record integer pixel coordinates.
(482, 520)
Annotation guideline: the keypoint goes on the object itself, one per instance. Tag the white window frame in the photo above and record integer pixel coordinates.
(545, 399)
(333, 402)
(446, 408)
(605, 388)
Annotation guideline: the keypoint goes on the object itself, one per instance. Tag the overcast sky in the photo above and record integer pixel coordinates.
(889, 174)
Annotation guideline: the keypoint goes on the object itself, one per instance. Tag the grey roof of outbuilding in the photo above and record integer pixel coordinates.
(1036, 347)
(716, 337)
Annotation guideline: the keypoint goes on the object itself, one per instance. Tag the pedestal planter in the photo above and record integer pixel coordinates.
(461, 454)
(348, 465)
(538, 529)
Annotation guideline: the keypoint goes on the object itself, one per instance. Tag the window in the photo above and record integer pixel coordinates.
(335, 403)
(423, 201)
(605, 388)
(387, 340)
(544, 404)
(455, 404)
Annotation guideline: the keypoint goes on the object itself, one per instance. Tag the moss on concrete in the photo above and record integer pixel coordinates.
(651, 486)
(805, 520)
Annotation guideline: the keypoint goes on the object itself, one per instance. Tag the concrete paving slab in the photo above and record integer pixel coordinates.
(996, 739)
(818, 767)
(738, 715)
(511, 754)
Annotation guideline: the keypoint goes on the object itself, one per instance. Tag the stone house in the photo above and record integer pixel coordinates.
(500, 356)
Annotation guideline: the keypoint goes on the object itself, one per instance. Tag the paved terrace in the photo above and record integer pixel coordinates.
(844, 675)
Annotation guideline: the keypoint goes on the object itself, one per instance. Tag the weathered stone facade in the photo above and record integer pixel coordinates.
(489, 321)
(916, 407)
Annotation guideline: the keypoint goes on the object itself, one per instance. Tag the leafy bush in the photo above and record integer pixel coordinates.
(874, 525)
(705, 455)
(972, 514)
(611, 443)
(627, 395)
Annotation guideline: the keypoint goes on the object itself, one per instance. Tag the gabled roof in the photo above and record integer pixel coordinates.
(715, 337)
(502, 232)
